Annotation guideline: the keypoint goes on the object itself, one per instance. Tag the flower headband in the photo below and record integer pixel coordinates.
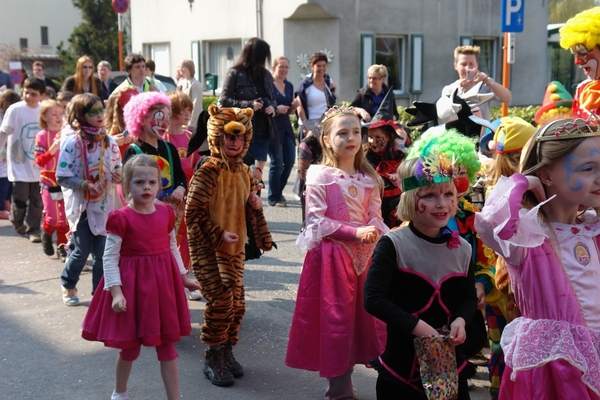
(432, 169)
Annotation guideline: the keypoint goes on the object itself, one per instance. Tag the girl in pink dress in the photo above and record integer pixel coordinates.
(47, 145)
(537, 221)
(143, 302)
(331, 331)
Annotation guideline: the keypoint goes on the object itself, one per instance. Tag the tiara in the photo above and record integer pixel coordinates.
(573, 129)
(338, 110)
(432, 169)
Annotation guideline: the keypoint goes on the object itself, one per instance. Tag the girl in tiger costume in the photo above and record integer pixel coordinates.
(222, 196)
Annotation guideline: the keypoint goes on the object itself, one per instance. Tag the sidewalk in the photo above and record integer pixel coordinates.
(42, 355)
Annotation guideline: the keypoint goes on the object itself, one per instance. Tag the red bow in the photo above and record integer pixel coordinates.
(454, 241)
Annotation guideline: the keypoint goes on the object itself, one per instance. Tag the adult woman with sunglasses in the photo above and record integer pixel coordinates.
(84, 80)
(316, 92)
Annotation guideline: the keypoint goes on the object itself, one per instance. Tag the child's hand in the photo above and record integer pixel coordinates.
(424, 329)
(116, 175)
(457, 332)
(93, 188)
(230, 237)
(255, 201)
(178, 193)
(480, 290)
(367, 234)
(119, 304)
(189, 283)
(535, 186)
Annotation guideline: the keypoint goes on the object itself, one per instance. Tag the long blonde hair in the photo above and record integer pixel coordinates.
(330, 159)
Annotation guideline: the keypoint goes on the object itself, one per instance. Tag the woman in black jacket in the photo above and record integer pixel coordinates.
(367, 100)
(250, 85)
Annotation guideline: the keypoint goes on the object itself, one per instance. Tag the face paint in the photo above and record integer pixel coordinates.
(587, 60)
(159, 122)
(573, 184)
(345, 137)
(377, 140)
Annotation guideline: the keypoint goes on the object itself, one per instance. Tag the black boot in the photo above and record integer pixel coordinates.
(62, 252)
(231, 364)
(214, 367)
(47, 244)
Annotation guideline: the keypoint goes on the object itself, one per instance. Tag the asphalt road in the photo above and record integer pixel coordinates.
(42, 355)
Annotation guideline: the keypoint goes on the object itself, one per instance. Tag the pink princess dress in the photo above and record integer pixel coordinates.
(157, 309)
(331, 331)
(552, 352)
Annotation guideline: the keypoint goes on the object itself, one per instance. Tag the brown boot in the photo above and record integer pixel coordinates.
(214, 367)
(231, 364)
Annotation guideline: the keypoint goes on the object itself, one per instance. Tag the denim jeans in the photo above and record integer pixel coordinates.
(280, 167)
(84, 242)
(5, 191)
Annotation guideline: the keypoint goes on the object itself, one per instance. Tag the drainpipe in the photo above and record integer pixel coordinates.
(259, 19)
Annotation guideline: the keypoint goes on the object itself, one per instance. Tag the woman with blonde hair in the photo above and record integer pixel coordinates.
(84, 80)
(368, 99)
(193, 88)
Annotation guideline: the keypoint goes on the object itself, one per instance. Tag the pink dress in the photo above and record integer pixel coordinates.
(552, 352)
(157, 309)
(331, 331)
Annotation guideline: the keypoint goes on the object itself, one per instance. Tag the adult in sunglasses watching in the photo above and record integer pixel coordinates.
(84, 80)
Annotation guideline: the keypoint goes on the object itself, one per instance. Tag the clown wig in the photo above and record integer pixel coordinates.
(138, 108)
(453, 145)
(582, 28)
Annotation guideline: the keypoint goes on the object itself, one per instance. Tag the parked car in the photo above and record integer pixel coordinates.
(119, 77)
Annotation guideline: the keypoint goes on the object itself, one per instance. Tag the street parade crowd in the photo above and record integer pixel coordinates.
(421, 250)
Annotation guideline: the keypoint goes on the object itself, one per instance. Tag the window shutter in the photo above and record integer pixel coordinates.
(196, 57)
(416, 74)
(466, 40)
(367, 55)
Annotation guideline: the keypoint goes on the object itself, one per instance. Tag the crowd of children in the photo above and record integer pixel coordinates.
(402, 272)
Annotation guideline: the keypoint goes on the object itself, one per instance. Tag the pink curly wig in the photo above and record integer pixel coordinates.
(137, 108)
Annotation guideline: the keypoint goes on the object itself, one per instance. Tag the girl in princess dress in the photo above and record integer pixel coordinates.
(331, 331)
(541, 222)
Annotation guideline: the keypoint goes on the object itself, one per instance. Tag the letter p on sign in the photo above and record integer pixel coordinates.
(512, 15)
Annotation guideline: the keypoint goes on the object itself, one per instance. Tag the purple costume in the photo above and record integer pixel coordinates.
(552, 351)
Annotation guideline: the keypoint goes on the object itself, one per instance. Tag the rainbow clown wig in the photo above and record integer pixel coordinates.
(451, 144)
(583, 28)
(138, 107)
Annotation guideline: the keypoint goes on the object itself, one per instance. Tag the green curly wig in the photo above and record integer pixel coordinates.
(452, 144)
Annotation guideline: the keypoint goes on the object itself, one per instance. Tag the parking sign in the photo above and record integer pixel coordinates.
(512, 15)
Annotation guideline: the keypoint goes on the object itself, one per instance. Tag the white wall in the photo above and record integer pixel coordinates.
(23, 19)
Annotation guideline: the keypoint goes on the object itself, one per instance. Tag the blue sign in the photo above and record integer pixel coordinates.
(512, 15)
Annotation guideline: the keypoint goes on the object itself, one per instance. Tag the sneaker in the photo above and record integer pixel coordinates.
(21, 229)
(36, 238)
(119, 396)
(62, 252)
(195, 295)
(70, 296)
(46, 244)
(214, 367)
(281, 203)
(283, 199)
(4, 214)
(7, 205)
(231, 363)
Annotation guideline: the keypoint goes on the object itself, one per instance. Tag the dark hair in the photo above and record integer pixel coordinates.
(78, 107)
(35, 84)
(150, 65)
(318, 56)
(133, 59)
(8, 98)
(388, 152)
(255, 54)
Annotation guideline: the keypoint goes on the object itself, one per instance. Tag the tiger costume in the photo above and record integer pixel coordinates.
(218, 202)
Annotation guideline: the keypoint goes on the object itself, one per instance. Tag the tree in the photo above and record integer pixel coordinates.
(560, 11)
(96, 36)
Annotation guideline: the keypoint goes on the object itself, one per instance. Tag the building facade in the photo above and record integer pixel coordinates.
(31, 30)
(415, 40)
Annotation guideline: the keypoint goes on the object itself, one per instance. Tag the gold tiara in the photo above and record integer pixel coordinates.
(338, 110)
(572, 129)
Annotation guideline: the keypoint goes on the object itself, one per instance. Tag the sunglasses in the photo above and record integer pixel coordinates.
(94, 112)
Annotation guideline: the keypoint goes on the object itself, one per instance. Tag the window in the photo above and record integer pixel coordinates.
(220, 56)
(23, 43)
(45, 36)
(160, 54)
(391, 52)
(487, 56)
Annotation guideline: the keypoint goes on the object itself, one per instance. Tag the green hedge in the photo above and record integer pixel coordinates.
(526, 113)
(208, 100)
